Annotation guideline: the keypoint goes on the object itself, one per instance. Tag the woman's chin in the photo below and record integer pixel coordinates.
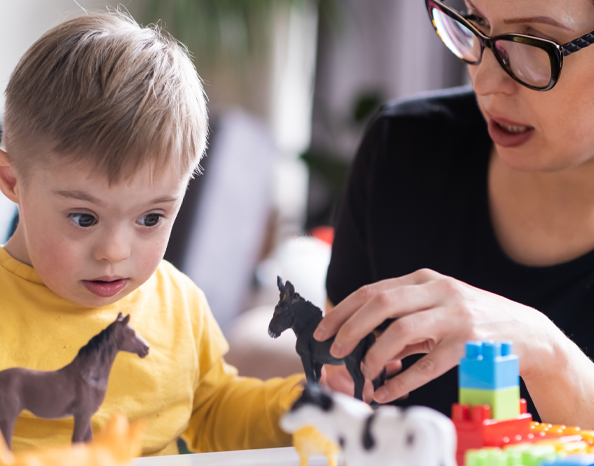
(530, 161)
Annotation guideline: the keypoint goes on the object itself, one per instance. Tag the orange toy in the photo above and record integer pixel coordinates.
(118, 444)
(308, 441)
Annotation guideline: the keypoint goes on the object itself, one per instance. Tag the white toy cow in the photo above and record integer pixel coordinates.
(389, 436)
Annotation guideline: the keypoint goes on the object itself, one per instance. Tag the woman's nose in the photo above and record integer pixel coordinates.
(490, 78)
(113, 247)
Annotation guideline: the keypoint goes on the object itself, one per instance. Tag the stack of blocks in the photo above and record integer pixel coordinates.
(490, 375)
(492, 425)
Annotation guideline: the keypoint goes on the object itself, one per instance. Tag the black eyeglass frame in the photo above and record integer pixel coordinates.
(555, 51)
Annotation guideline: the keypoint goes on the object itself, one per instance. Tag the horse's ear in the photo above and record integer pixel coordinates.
(289, 290)
(119, 316)
(280, 284)
(126, 319)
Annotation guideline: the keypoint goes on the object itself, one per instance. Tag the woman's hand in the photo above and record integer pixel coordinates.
(435, 315)
(338, 379)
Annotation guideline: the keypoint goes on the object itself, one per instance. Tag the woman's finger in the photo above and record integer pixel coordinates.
(346, 308)
(392, 368)
(392, 303)
(421, 328)
(423, 347)
(338, 379)
(430, 366)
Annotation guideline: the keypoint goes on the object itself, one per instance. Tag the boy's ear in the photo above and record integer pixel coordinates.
(8, 179)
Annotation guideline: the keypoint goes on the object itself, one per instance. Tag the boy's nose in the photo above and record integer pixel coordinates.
(113, 248)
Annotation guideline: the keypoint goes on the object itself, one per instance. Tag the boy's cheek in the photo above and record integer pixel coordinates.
(149, 257)
(56, 255)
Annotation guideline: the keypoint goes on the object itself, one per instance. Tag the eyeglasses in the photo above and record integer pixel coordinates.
(534, 62)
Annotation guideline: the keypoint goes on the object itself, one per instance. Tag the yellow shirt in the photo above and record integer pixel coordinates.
(183, 387)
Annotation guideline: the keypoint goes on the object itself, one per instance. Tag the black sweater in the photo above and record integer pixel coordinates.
(417, 198)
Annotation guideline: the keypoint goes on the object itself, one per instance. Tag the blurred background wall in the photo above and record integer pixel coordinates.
(291, 85)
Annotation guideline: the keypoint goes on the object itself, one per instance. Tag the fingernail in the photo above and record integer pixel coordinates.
(336, 350)
(381, 396)
(320, 332)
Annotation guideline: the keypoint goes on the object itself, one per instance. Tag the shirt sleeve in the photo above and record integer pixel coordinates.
(231, 412)
(350, 266)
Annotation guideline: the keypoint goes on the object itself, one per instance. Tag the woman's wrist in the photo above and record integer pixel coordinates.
(546, 351)
(560, 379)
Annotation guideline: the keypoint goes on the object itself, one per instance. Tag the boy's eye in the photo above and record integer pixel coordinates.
(150, 220)
(83, 220)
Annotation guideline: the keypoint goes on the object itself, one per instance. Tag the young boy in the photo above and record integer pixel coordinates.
(105, 123)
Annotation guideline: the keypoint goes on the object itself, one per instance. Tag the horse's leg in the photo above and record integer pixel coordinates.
(82, 424)
(308, 368)
(7, 427)
(353, 365)
(318, 369)
(89, 433)
(379, 380)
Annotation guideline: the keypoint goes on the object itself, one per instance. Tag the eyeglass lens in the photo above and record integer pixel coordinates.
(527, 63)
(458, 38)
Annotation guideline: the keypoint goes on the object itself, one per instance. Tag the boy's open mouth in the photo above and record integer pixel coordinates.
(106, 288)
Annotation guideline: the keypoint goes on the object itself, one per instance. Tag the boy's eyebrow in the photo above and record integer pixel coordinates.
(83, 196)
(80, 195)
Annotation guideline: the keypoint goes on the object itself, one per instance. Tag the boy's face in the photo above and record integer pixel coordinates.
(92, 243)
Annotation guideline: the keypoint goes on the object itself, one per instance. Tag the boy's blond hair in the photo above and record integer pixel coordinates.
(101, 90)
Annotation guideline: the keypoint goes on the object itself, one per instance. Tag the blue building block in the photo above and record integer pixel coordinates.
(571, 460)
(489, 365)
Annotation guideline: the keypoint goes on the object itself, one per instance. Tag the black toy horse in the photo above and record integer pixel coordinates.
(292, 311)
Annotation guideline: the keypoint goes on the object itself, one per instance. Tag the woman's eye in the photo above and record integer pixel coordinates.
(150, 220)
(83, 220)
(477, 20)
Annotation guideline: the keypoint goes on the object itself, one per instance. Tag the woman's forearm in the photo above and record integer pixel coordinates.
(561, 383)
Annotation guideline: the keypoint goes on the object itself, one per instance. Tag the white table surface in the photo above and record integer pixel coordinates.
(265, 457)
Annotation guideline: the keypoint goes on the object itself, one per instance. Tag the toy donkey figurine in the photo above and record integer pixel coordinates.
(292, 311)
(77, 389)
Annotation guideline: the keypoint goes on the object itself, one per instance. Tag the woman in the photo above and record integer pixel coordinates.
(470, 215)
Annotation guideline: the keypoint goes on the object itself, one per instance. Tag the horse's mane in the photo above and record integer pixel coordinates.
(98, 342)
(301, 305)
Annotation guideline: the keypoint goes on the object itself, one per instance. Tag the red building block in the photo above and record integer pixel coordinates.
(476, 429)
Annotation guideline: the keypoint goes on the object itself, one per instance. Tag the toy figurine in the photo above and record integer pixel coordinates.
(389, 436)
(77, 389)
(308, 441)
(292, 311)
(116, 445)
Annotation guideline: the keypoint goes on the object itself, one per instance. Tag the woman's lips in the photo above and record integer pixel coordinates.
(105, 289)
(504, 138)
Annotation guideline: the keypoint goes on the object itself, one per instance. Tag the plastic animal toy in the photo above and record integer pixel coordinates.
(117, 444)
(293, 311)
(77, 389)
(389, 436)
(308, 441)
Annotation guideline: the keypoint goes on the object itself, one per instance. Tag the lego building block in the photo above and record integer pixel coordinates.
(504, 403)
(489, 365)
(521, 455)
(475, 428)
(571, 460)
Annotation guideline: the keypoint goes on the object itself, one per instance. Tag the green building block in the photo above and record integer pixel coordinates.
(520, 455)
(504, 403)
